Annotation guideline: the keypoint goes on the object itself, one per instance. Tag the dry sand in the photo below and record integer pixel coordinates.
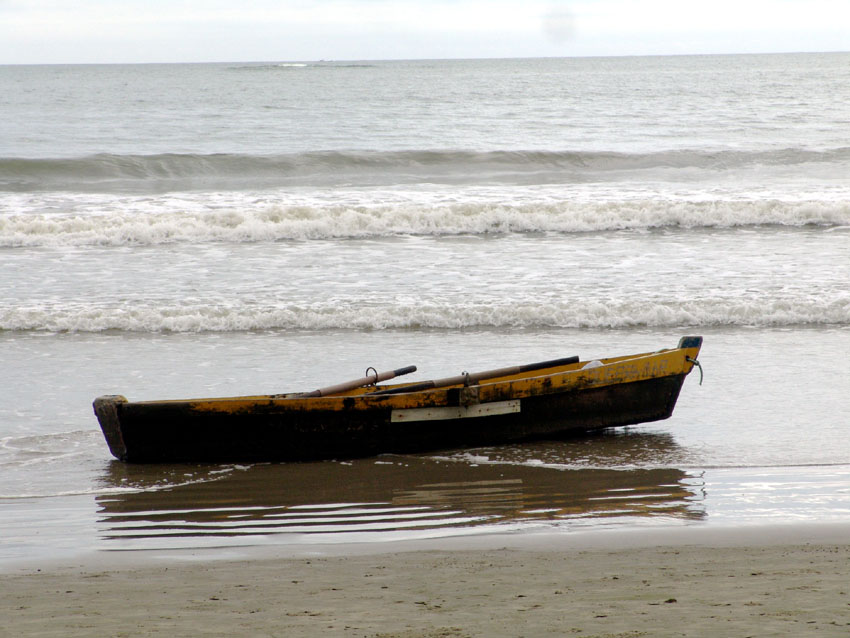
(759, 583)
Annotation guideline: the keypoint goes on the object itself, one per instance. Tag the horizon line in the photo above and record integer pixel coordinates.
(428, 59)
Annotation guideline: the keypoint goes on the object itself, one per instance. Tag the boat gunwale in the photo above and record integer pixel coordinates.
(556, 380)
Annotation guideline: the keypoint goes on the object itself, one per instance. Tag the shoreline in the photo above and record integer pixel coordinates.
(620, 538)
(758, 580)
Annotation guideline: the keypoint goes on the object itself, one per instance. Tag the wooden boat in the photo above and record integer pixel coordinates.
(356, 419)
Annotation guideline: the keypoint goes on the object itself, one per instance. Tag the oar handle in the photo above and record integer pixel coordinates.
(478, 377)
(552, 363)
(359, 383)
(400, 372)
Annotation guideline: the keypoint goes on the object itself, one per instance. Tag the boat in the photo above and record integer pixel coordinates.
(361, 418)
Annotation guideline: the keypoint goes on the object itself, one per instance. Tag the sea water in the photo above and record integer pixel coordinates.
(174, 231)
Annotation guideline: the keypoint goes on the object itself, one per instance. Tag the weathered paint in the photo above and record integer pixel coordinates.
(621, 391)
(106, 410)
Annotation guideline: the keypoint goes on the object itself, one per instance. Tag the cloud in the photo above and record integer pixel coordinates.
(559, 24)
(195, 30)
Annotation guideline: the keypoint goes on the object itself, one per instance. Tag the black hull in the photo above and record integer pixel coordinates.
(175, 432)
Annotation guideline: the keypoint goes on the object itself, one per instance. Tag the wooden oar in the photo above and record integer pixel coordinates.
(477, 377)
(359, 383)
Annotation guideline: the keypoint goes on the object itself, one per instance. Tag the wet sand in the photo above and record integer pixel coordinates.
(745, 582)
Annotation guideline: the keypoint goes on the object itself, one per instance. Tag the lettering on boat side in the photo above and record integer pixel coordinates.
(629, 370)
(441, 414)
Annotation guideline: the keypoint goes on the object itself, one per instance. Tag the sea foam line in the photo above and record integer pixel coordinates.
(276, 222)
(520, 314)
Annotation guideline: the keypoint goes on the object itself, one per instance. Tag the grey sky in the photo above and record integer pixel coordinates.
(69, 31)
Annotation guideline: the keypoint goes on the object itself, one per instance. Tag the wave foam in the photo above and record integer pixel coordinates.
(275, 222)
(425, 314)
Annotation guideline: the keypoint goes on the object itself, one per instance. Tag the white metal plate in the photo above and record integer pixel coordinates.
(461, 412)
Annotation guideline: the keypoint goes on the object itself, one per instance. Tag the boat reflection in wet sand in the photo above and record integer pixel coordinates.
(359, 418)
(397, 496)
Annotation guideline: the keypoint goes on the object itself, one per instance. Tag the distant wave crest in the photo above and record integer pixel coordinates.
(278, 66)
(258, 222)
(175, 172)
(599, 313)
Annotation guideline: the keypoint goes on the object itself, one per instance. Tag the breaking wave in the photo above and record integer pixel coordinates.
(598, 314)
(170, 172)
(263, 222)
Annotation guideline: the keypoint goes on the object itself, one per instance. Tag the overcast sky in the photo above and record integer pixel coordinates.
(78, 31)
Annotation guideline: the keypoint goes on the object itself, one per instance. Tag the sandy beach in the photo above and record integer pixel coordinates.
(753, 582)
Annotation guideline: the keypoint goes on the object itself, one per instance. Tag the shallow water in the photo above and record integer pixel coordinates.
(749, 445)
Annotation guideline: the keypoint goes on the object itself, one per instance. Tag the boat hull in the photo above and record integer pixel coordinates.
(617, 393)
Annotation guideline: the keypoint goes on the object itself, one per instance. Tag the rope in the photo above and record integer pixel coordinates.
(698, 365)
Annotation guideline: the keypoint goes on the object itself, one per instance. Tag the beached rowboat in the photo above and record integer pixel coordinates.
(546, 399)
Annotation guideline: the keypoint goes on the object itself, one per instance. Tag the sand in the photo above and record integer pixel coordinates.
(755, 583)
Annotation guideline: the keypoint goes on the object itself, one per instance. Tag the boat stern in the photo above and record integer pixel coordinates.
(106, 410)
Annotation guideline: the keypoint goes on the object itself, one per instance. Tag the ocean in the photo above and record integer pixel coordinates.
(190, 230)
